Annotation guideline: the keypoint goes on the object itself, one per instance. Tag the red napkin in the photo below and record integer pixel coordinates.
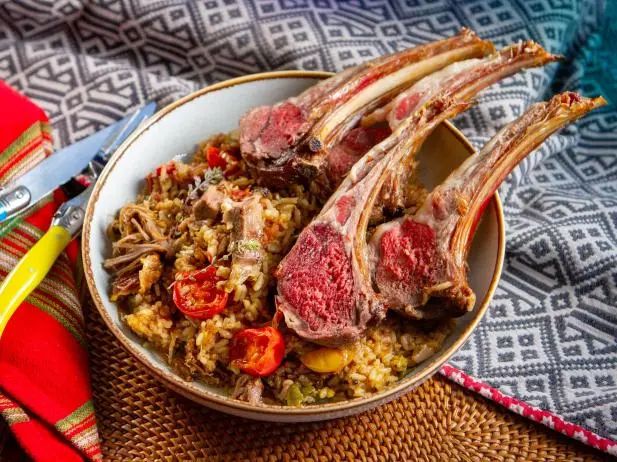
(45, 394)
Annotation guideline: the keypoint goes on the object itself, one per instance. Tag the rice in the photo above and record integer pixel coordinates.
(199, 349)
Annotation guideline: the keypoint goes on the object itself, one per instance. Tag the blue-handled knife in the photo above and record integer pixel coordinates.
(64, 164)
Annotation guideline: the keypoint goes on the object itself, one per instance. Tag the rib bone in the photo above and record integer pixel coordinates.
(463, 79)
(324, 284)
(275, 139)
(471, 75)
(419, 262)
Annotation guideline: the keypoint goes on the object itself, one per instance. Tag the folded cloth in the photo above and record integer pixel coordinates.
(45, 394)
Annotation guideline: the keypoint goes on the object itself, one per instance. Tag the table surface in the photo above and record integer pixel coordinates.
(139, 419)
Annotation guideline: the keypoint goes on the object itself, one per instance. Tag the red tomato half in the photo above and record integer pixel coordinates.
(196, 294)
(215, 158)
(257, 352)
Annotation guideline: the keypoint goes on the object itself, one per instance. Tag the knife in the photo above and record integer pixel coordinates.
(63, 165)
(66, 224)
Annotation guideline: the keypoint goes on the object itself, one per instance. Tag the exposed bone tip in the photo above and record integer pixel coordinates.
(315, 144)
(467, 32)
(573, 100)
(599, 101)
(486, 46)
(529, 47)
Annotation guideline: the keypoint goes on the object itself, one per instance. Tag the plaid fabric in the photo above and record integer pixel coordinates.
(45, 395)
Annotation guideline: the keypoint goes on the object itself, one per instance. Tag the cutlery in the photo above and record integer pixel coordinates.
(68, 219)
(63, 165)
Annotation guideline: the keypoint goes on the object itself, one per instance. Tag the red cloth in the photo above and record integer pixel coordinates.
(45, 394)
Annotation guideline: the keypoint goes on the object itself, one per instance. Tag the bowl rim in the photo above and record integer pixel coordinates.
(219, 401)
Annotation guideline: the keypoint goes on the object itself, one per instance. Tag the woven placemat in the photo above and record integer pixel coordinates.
(141, 420)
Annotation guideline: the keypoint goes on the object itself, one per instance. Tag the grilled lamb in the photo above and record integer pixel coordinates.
(324, 283)
(291, 140)
(463, 78)
(419, 262)
(337, 235)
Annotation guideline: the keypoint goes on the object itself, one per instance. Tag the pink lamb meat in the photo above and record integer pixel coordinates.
(291, 140)
(419, 262)
(307, 306)
(324, 284)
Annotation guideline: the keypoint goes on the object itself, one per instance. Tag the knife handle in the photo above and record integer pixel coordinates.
(13, 200)
(30, 271)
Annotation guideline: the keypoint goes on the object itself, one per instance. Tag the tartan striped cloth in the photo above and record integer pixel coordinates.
(45, 395)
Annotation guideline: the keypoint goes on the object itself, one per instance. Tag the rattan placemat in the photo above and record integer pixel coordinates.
(141, 420)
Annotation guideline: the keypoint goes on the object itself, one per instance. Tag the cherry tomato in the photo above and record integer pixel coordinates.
(239, 194)
(196, 295)
(169, 168)
(214, 157)
(257, 352)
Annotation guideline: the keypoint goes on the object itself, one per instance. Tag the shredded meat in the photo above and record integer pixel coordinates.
(124, 285)
(140, 236)
(247, 252)
(248, 389)
(137, 251)
(209, 204)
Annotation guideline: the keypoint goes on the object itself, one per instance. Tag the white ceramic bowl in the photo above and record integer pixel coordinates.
(177, 129)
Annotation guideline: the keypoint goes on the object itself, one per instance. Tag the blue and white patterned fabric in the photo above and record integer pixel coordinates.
(550, 337)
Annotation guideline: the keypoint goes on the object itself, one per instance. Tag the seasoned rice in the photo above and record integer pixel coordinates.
(199, 349)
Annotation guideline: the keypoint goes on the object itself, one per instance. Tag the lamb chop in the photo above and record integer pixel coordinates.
(468, 76)
(333, 246)
(418, 262)
(324, 284)
(290, 140)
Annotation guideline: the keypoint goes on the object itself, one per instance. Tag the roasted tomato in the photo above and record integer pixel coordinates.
(239, 194)
(257, 352)
(168, 168)
(215, 158)
(196, 294)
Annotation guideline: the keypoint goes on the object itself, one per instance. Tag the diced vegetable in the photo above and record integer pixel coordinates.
(325, 360)
(165, 169)
(196, 294)
(215, 158)
(239, 194)
(294, 395)
(257, 352)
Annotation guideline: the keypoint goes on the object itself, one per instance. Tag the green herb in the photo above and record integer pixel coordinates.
(294, 395)
(213, 175)
(248, 245)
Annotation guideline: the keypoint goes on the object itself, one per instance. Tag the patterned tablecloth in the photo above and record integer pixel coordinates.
(549, 339)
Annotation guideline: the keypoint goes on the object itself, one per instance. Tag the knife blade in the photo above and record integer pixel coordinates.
(61, 166)
(66, 224)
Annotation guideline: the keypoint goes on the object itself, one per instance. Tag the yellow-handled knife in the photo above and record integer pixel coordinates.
(68, 219)
(36, 263)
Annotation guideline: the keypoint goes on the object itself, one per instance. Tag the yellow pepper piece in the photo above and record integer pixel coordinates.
(324, 360)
